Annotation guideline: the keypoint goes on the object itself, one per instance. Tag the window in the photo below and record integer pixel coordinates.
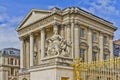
(105, 40)
(12, 61)
(94, 37)
(82, 52)
(94, 56)
(12, 71)
(82, 32)
(105, 56)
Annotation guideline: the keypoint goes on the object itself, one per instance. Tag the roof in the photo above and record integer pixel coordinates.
(10, 52)
(117, 42)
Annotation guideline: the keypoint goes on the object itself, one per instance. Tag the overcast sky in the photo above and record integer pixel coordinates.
(13, 11)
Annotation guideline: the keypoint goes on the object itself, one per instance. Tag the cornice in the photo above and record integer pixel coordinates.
(74, 10)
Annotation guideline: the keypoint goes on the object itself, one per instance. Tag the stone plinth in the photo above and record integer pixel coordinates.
(54, 68)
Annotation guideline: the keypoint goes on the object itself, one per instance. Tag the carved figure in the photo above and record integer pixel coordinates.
(57, 44)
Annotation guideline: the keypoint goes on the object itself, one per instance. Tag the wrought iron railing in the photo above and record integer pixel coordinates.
(97, 70)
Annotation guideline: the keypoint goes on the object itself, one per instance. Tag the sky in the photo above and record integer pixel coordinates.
(13, 11)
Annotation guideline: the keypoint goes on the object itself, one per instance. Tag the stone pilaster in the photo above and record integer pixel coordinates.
(111, 47)
(90, 45)
(62, 32)
(68, 31)
(101, 46)
(21, 53)
(31, 48)
(72, 38)
(42, 43)
(55, 28)
(77, 40)
(27, 53)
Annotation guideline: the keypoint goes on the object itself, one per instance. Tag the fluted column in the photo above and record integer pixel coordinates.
(42, 43)
(77, 41)
(111, 46)
(21, 53)
(101, 46)
(31, 49)
(90, 45)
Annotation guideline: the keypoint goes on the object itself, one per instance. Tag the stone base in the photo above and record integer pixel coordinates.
(50, 68)
(54, 68)
(52, 73)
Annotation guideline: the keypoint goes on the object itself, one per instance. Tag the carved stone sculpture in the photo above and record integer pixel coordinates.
(57, 45)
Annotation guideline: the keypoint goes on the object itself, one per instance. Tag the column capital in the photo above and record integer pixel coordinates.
(66, 24)
(42, 28)
(56, 23)
(101, 34)
(31, 34)
(111, 37)
(21, 38)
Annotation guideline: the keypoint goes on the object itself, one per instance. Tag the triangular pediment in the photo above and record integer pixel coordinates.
(33, 16)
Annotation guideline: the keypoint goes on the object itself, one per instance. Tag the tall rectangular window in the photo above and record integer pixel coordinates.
(105, 56)
(94, 56)
(82, 32)
(12, 71)
(82, 53)
(105, 40)
(12, 61)
(94, 37)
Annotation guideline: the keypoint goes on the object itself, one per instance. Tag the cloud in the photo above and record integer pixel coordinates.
(106, 9)
(8, 37)
(8, 34)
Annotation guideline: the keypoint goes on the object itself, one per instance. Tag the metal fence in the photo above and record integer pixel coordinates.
(97, 70)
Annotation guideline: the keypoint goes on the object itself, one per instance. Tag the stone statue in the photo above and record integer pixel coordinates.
(57, 45)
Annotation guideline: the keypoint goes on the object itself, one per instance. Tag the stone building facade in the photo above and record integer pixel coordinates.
(116, 48)
(9, 63)
(51, 39)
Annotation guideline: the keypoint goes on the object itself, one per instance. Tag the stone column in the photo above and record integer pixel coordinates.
(101, 46)
(111, 47)
(68, 32)
(21, 53)
(55, 27)
(42, 43)
(90, 45)
(28, 53)
(72, 38)
(62, 31)
(31, 49)
(77, 41)
(68, 27)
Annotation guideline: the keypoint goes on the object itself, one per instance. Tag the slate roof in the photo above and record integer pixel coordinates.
(10, 52)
